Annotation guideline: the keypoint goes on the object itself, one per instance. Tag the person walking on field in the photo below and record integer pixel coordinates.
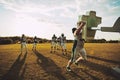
(78, 46)
(53, 44)
(63, 44)
(58, 45)
(34, 43)
(23, 43)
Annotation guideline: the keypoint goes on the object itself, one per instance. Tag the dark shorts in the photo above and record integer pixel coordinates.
(73, 50)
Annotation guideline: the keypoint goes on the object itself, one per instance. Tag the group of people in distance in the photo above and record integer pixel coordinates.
(24, 40)
(78, 51)
(57, 43)
(60, 42)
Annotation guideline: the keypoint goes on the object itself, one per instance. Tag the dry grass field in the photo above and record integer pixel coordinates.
(43, 65)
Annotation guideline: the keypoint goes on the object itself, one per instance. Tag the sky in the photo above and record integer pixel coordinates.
(43, 18)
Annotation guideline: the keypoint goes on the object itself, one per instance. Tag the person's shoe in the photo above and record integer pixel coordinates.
(76, 63)
(68, 69)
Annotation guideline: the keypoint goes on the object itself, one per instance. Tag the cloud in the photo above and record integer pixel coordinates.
(42, 8)
(59, 15)
(33, 5)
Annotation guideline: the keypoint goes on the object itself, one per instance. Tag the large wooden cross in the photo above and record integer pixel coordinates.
(92, 21)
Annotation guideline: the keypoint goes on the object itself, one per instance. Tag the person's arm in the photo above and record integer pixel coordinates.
(81, 25)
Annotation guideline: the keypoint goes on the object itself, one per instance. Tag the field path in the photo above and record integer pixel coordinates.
(40, 64)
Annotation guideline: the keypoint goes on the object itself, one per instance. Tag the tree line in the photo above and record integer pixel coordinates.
(16, 40)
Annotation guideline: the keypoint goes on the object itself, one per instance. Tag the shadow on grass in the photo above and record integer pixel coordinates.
(75, 75)
(91, 75)
(94, 66)
(102, 59)
(89, 56)
(63, 56)
(98, 68)
(49, 66)
(14, 71)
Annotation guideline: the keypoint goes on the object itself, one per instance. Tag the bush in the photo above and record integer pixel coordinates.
(6, 41)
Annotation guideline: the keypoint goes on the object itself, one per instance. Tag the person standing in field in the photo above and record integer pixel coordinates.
(63, 44)
(35, 41)
(53, 44)
(58, 45)
(78, 46)
(23, 43)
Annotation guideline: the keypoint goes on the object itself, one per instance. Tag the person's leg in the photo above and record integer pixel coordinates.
(65, 49)
(80, 58)
(21, 47)
(54, 48)
(82, 55)
(62, 46)
(70, 62)
(68, 65)
(51, 47)
(57, 46)
(25, 46)
(33, 45)
(76, 55)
